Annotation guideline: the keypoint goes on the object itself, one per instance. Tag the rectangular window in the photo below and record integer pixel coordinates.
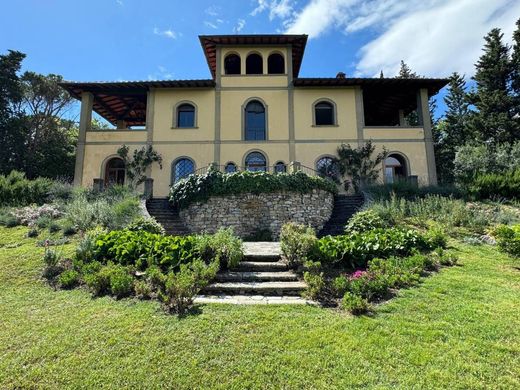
(186, 119)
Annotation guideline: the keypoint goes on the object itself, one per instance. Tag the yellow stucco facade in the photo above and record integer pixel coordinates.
(217, 131)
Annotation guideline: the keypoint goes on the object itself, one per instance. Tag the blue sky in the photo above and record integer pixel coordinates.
(157, 39)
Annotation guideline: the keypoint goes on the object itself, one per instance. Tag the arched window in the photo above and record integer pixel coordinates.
(255, 121)
(182, 168)
(254, 64)
(256, 162)
(324, 114)
(186, 115)
(275, 64)
(230, 167)
(232, 64)
(280, 167)
(327, 167)
(115, 171)
(395, 168)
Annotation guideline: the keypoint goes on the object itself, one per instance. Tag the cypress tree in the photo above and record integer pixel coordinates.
(493, 122)
(453, 130)
(515, 71)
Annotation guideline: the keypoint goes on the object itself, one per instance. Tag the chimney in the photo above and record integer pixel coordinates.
(340, 75)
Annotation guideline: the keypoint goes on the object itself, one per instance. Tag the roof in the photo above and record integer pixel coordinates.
(433, 85)
(209, 45)
(126, 100)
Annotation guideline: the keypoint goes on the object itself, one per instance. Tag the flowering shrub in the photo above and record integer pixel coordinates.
(297, 242)
(29, 215)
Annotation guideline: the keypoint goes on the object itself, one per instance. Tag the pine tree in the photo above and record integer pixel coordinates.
(493, 122)
(515, 71)
(453, 130)
(405, 72)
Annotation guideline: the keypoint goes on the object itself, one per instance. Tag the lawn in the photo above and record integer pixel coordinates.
(459, 329)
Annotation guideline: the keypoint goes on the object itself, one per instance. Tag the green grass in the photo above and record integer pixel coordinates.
(459, 329)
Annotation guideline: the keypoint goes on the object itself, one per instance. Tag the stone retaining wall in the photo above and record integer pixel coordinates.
(248, 214)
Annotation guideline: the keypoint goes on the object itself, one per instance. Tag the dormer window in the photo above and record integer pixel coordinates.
(254, 64)
(232, 64)
(275, 64)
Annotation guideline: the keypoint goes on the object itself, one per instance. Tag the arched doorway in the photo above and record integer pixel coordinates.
(395, 168)
(115, 171)
(256, 162)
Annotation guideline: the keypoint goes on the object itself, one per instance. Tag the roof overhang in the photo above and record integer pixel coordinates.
(210, 42)
(433, 85)
(126, 100)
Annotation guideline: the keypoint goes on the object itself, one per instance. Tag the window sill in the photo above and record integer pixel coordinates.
(185, 128)
(325, 125)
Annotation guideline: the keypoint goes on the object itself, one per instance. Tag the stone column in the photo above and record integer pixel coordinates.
(150, 111)
(402, 119)
(360, 115)
(121, 124)
(148, 188)
(423, 111)
(98, 185)
(85, 120)
(295, 166)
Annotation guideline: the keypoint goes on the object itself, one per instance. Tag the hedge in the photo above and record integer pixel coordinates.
(214, 183)
(17, 190)
(491, 185)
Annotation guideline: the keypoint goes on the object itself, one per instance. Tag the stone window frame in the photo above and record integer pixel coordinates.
(280, 162)
(104, 165)
(334, 112)
(230, 163)
(331, 156)
(176, 113)
(174, 163)
(259, 151)
(408, 170)
(266, 113)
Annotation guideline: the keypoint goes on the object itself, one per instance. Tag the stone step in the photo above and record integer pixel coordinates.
(253, 299)
(258, 288)
(259, 266)
(262, 257)
(248, 276)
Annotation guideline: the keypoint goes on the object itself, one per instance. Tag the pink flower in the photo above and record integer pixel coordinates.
(357, 274)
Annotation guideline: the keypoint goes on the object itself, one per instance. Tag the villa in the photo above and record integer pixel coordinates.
(255, 113)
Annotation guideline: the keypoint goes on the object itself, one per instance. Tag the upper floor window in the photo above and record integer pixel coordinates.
(324, 114)
(254, 64)
(275, 64)
(232, 64)
(256, 162)
(186, 115)
(182, 168)
(255, 121)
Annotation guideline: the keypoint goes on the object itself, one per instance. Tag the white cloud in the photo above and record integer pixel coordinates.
(120, 2)
(162, 73)
(212, 10)
(169, 33)
(277, 8)
(240, 25)
(209, 24)
(435, 37)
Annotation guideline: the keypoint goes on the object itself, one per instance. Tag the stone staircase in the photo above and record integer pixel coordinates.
(261, 278)
(344, 207)
(168, 216)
